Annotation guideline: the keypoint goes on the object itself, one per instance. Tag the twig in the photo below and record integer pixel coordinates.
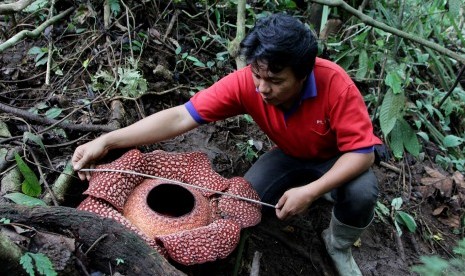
(459, 75)
(46, 121)
(67, 143)
(14, 7)
(95, 243)
(170, 26)
(370, 21)
(389, 166)
(50, 45)
(129, 27)
(35, 33)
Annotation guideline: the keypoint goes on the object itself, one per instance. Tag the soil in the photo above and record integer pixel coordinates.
(291, 247)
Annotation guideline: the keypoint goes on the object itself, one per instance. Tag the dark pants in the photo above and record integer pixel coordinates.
(275, 172)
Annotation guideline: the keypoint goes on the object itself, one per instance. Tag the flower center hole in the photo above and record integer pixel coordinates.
(170, 200)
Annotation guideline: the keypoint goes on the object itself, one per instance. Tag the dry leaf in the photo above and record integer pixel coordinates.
(426, 191)
(441, 182)
(459, 179)
(452, 221)
(439, 210)
(434, 173)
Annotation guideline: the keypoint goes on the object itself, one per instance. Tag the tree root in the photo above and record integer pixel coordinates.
(119, 242)
(35, 33)
(14, 7)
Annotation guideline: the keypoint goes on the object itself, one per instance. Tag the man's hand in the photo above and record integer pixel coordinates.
(85, 155)
(294, 201)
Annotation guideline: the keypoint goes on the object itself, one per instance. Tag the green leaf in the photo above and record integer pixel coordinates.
(178, 50)
(397, 203)
(382, 208)
(27, 136)
(43, 265)
(391, 109)
(409, 138)
(394, 81)
(406, 220)
(35, 6)
(35, 51)
(452, 141)
(26, 262)
(362, 65)
(433, 265)
(85, 63)
(23, 199)
(396, 141)
(114, 6)
(53, 112)
(42, 61)
(31, 185)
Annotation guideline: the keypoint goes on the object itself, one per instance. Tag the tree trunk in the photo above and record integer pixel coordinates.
(86, 228)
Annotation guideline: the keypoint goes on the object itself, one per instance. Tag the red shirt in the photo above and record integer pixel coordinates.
(330, 118)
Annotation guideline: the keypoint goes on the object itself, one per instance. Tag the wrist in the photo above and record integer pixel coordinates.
(106, 141)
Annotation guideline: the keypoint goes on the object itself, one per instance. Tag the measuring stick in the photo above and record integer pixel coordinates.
(180, 183)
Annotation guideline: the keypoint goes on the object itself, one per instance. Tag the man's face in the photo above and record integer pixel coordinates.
(279, 89)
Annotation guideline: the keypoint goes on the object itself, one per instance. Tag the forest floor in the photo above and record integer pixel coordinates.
(293, 247)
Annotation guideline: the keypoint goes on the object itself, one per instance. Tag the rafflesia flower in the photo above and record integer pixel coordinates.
(186, 224)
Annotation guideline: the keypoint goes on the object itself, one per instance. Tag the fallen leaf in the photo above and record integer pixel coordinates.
(439, 210)
(445, 187)
(434, 173)
(459, 179)
(426, 191)
(452, 221)
(441, 182)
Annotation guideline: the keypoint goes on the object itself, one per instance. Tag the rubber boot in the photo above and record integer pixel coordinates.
(339, 239)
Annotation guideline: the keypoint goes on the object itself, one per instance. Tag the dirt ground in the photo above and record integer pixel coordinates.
(292, 247)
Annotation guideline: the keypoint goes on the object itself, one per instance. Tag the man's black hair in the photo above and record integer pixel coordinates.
(280, 40)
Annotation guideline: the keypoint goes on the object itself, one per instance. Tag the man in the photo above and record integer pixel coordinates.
(312, 111)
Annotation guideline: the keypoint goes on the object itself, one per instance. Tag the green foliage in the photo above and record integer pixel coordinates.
(119, 261)
(395, 215)
(436, 266)
(23, 199)
(4, 220)
(129, 82)
(413, 79)
(250, 149)
(32, 262)
(115, 7)
(41, 55)
(31, 185)
(36, 6)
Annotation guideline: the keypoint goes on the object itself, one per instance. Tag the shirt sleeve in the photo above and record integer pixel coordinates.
(223, 99)
(351, 122)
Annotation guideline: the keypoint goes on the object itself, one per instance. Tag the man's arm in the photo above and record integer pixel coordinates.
(160, 126)
(347, 167)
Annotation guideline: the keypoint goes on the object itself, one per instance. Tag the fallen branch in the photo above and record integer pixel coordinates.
(46, 121)
(370, 21)
(14, 7)
(35, 33)
(119, 242)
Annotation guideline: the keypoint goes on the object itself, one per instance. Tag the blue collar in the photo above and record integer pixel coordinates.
(309, 88)
(309, 91)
